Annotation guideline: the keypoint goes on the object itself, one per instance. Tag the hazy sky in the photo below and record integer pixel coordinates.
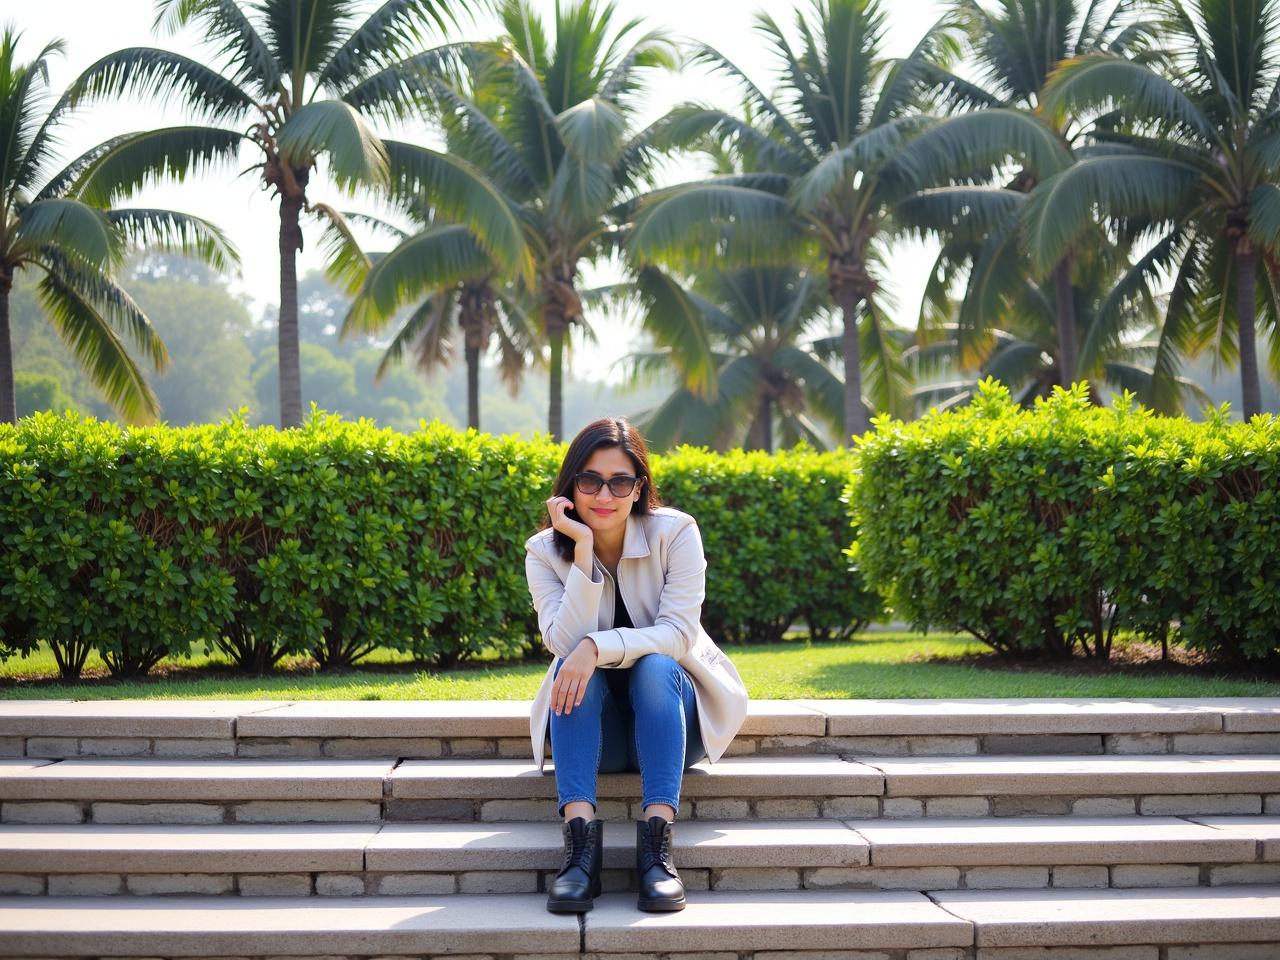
(93, 28)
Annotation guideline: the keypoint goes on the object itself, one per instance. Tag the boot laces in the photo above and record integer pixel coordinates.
(575, 851)
(656, 849)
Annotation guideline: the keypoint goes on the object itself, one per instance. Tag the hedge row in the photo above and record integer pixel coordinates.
(1045, 531)
(338, 538)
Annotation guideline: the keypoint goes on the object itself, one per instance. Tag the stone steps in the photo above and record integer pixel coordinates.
(439, 858)
(242, 790)
(1142, 924)
(443, 729)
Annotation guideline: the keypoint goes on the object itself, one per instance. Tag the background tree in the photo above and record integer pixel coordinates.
(66, 229)
(761, 321)
(823, 181)
(305, 79)
(1193, 156)
(547, 116)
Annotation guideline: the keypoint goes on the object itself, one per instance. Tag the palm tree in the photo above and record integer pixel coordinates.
(65, 228)
(759, 319)
(1015, 49)
(547, 116)
(455, 287)
(1113, 302)
(824, 175)
(304, 78)
(1193, 148)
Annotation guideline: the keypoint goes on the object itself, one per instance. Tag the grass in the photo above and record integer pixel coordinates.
(875, 665)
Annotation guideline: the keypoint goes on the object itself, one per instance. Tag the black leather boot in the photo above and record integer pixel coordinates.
(579, 879)
(661, 889)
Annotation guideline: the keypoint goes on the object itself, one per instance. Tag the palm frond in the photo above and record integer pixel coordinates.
(983, 139)
(962, 214)
(73, 228)
(426, 333)
(1060, 210)
(227, 26)
(711, 57)
(675, 322)
(389, 34)
(439, 256)
(346, 264)
(1098, 80)
(89, 336)
(335, 128)
(169, 231)
(864, 155)
(458, 191)
(592, 131)
(162, 76)
(705, 224)
(137, 160)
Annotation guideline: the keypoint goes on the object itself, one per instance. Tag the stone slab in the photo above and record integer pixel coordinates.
(1251, 715)
(1110, 775)
(733, 776)
(1264, 830)
(12, 766)
(156, 848)
(1048, 840)
(1065, 917)
(390, 718)
(203, 780)
(183, 926)
(125, 718)
(792, 920)
(896, 718)
(698, 844)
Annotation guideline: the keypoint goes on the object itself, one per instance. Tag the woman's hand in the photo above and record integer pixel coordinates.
(570, 685)
(575, 530)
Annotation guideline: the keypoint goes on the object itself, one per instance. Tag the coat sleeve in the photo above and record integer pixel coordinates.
(675, 628)
(567, 611)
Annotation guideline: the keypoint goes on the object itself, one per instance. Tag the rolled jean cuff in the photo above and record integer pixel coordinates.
(565, 803)
(674, 804)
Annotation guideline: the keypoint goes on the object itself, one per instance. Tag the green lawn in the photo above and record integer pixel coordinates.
(874, 665)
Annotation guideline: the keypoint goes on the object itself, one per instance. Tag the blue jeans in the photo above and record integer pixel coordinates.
(642, 718)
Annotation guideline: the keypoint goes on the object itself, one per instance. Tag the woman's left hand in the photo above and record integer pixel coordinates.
(571, 681)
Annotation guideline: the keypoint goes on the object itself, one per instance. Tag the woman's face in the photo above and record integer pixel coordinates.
(602, 511)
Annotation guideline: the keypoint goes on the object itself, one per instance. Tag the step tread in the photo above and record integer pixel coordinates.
(509, 718)
(750, 776)
(240, 779)
(453, 847)
(792, 920)
(821, 775)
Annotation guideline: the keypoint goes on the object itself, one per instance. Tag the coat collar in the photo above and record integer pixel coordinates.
(634, 542)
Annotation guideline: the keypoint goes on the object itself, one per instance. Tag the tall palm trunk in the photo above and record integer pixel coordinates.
(1064, 307)
(472, 353)
(555, 409)
(760, 433)
(1246, 305)
(855, 414)
(290, 365)
(8, 390)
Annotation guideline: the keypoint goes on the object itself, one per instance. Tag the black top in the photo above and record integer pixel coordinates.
(621, 618)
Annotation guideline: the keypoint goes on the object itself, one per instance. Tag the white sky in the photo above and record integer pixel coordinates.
(93, 28)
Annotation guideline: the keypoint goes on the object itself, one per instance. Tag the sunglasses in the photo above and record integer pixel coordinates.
(619, 486)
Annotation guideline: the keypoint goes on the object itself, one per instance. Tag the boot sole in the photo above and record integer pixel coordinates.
(661, 906)
(569, 906)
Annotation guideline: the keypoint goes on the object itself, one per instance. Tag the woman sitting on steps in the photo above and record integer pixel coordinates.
(618, 581)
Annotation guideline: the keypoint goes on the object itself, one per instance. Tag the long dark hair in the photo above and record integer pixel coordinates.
(605, 432)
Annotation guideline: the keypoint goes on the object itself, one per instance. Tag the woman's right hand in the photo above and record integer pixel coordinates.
(575, 530)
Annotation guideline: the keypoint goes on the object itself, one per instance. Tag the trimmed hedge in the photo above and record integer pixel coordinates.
(1045, 531)
(338, 538)
(774, 528)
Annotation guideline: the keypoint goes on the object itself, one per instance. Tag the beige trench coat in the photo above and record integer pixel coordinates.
(661, 577)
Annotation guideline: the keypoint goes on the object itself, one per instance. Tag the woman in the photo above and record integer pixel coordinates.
(636, 683)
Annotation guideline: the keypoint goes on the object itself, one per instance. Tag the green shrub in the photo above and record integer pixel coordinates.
(338, 538)
(773, 528)
(1045, 531)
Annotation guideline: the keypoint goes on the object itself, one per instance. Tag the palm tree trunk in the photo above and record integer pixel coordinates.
(766, 423)
(1065, 314)
(1246, 304)
(473, 386)
(290, 365)
(555, 410)
(8, 391)
(855, 414)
